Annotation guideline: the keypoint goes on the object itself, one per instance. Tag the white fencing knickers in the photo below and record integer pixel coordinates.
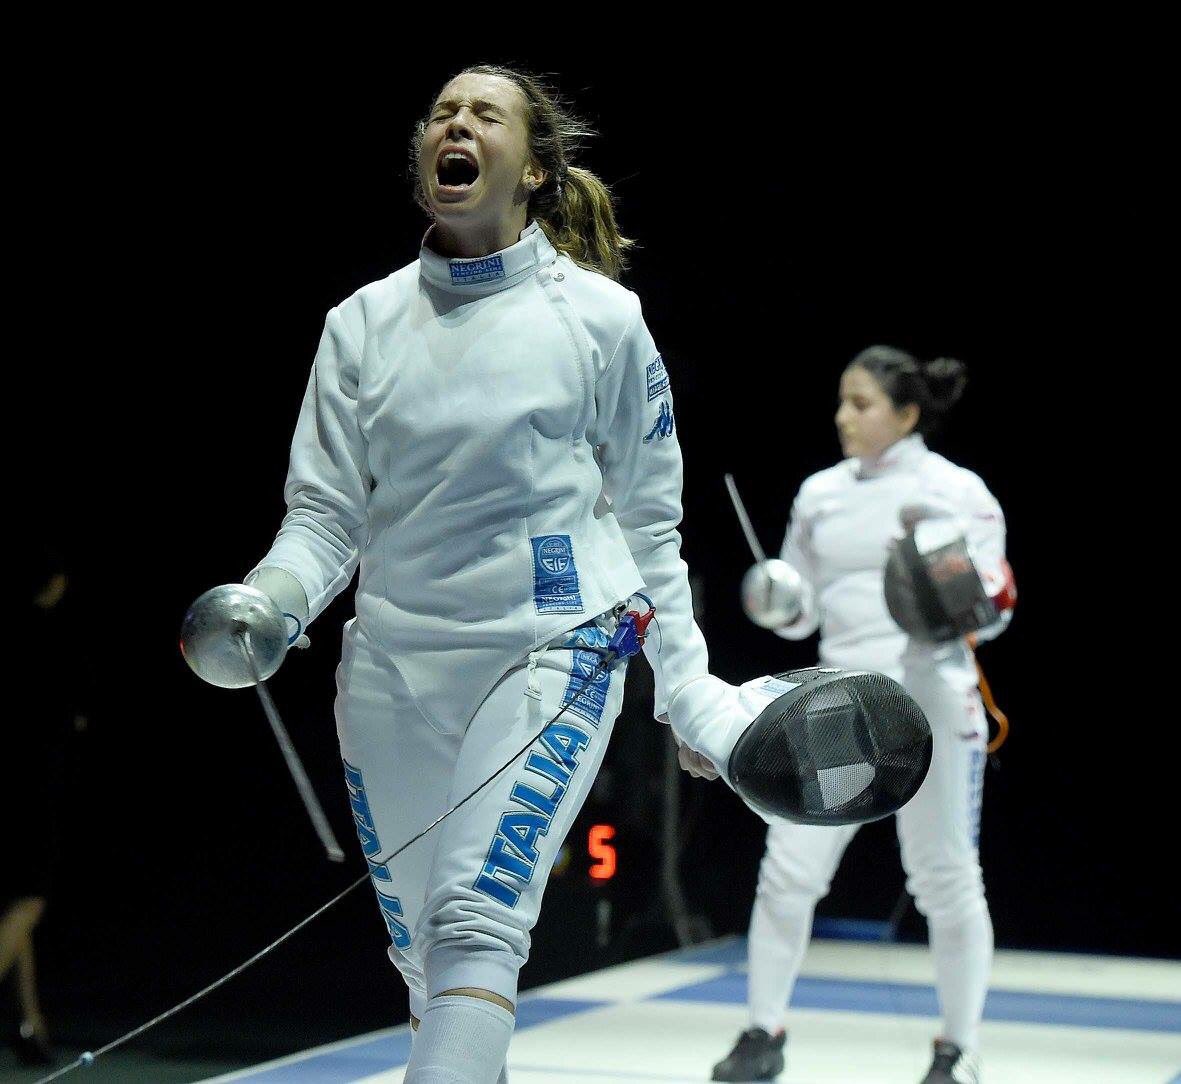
(938, 831)
(459, 903)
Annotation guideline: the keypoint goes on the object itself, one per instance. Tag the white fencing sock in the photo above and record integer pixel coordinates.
(461, 1040)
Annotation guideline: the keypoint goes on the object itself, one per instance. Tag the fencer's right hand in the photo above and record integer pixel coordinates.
(696, 764)
(772, 594)
(234, 635)
(286, 592)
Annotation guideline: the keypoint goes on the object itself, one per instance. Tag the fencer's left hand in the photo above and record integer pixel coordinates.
(697, 765)
(702, 713)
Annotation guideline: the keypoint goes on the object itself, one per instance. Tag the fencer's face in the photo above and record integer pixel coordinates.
(867, 420)
(474, 160)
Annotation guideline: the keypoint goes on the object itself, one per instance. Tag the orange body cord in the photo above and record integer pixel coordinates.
(990, 705)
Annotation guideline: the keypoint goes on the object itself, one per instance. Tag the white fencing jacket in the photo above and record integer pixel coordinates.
(842, 523)
(494, 441)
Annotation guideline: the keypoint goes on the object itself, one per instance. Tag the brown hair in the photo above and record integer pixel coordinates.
(573, 207)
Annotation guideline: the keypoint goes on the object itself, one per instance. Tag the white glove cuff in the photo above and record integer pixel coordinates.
(288, 594)
(704, 713)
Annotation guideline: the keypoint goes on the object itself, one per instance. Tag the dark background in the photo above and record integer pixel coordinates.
(201, 216)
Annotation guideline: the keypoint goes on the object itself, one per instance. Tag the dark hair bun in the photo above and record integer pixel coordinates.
(946, 379)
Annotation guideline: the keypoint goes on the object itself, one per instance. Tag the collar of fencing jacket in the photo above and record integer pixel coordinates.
(901, 455)
(488, 274)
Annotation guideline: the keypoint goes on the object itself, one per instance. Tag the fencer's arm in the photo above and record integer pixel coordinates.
(977, 515)
(985, 526)
(640, 456)
(797, 552)
(328, 481)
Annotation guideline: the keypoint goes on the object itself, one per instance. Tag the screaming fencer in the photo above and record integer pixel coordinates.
(489, 435)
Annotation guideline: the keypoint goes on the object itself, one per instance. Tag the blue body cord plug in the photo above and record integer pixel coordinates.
(632, 631)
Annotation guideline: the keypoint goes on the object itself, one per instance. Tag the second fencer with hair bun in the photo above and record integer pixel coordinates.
(843, 523)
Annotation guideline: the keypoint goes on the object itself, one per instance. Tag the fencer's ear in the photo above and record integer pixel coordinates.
(909, 417)
(533, 178)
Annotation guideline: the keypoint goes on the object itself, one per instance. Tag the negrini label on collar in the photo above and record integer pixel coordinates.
(485, 270)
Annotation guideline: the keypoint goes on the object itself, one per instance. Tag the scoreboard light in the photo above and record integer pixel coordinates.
(602, 853)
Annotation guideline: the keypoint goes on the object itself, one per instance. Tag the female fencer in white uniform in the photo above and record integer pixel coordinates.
(489, 433)
(842, 522)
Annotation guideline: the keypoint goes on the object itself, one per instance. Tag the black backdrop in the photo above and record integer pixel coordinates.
(206, 214)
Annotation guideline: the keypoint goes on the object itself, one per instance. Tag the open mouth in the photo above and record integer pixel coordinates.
(456, 170)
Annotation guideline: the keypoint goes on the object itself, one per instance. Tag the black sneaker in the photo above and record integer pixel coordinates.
(951, 1065)
(756, 1056)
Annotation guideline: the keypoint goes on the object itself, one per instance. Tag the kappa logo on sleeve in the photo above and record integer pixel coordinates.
(555, 575)
(663, 426)
(482, 270)
(657, 378)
